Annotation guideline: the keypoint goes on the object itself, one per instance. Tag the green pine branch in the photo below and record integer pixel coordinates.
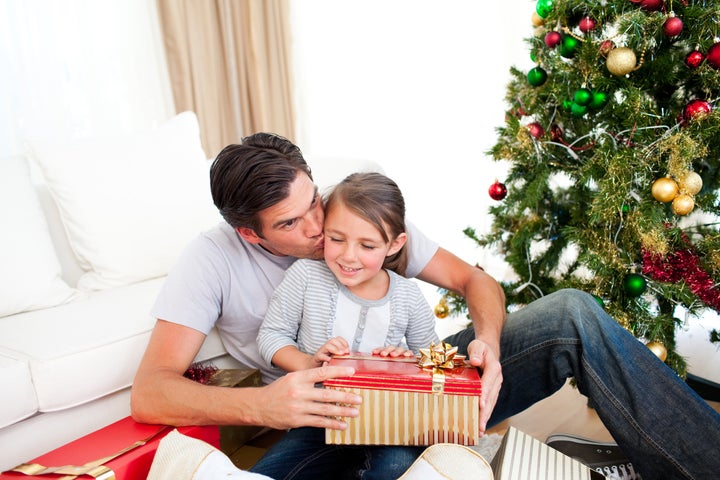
(579, 211)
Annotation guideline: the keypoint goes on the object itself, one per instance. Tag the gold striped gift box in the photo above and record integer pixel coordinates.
(522, 457)
(404, 404)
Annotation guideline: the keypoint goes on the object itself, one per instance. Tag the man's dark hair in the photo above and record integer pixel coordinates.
(249, 177)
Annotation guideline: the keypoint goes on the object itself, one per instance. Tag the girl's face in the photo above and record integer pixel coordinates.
(355, 252)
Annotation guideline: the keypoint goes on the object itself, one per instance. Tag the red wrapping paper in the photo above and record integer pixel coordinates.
(131, 465)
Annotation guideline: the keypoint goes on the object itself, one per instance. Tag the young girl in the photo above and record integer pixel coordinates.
(357, 299)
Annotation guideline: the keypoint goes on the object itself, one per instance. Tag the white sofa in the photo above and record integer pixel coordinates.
(90, 229)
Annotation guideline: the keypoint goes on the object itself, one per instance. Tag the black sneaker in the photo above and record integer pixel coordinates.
(603, 457)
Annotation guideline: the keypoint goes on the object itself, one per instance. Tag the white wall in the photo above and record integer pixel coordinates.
(416, 85)
(419, 86)
(78, 69)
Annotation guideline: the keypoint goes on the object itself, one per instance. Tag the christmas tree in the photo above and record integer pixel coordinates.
(613, 146)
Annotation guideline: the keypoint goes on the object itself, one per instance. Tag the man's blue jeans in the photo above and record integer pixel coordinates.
(302, 454)
(663, 426)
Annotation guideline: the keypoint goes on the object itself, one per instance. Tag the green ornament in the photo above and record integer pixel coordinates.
(567, 105)
(582, 96)
(599, 300)
(578, 110)
(544, 7)
(537, 76)
(568, 46)
(634, 284)
(598, 101)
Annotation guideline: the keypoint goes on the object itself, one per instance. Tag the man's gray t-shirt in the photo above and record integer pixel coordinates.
(223, 281)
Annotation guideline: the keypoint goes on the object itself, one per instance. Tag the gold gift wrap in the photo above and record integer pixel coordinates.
(406, 403)
(233, 437)
(521, 456)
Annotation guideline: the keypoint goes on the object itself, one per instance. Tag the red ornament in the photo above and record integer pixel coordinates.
(673, 26)
(713, 55)
(694, 59)
(606, 46)
(556, 133)
(652, 5)
(695, 108)
(536, 130)
(552, 39)
(587, 24)
(497, 191)
(518, 112)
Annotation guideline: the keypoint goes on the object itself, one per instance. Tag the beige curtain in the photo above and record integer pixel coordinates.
(229, 62)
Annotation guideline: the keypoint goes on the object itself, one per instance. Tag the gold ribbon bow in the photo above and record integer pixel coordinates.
(438, 357)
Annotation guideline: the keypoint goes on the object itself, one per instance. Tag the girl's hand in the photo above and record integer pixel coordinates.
(334, 346)
(393, 352)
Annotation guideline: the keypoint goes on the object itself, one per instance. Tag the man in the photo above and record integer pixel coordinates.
(264, 190)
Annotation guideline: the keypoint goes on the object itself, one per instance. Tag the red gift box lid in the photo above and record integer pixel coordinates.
(402, 374)
(136, 441)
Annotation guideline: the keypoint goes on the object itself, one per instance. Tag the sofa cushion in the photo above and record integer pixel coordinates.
(96, 344)
(30, 273)
(15, 375)
(94, 348)
(130, 203)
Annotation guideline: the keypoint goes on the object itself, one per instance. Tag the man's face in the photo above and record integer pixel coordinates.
(294, 226)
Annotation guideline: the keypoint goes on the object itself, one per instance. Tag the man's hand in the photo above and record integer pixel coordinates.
(294, 401)
(486, 303)
(485, 358)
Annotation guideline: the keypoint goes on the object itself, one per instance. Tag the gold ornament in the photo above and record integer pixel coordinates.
(537, 20)
(691, 183)
(621, 61)
(442, 309)
(658, 349)
(683, 204)
(664, 189)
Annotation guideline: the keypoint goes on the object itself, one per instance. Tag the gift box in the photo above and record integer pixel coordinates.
(233, 437)
(409, 401)
(236, 377)
(123, 450)
(522, 457)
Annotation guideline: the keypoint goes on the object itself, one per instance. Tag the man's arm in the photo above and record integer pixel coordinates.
(162, 395)
(486, 304)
